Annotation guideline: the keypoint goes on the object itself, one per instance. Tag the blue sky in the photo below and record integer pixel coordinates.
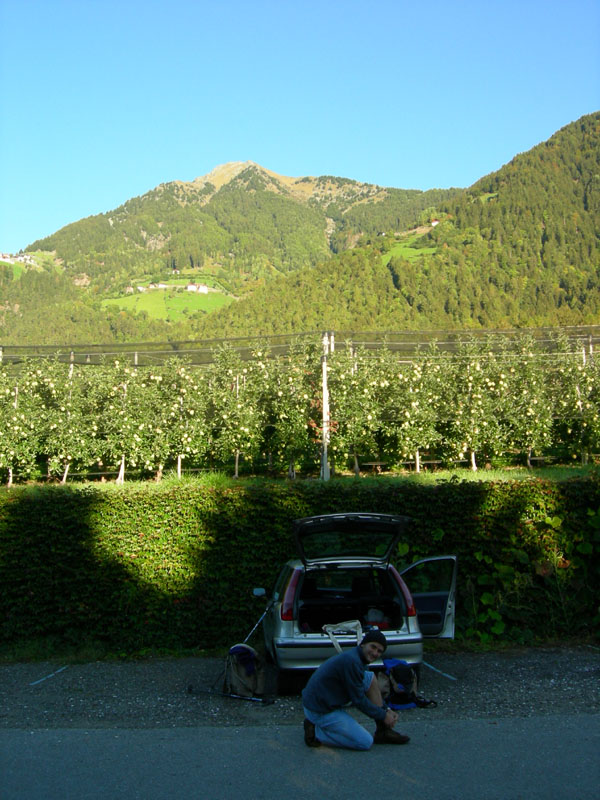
(102, 100)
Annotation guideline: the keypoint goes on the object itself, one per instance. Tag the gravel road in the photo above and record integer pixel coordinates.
(153, 693)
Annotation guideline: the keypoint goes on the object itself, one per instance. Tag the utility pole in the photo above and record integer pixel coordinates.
(328, 347)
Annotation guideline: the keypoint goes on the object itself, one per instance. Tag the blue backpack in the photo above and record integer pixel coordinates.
(399, 684)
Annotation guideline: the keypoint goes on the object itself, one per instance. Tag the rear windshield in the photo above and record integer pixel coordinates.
(350, 582)
(370, 543)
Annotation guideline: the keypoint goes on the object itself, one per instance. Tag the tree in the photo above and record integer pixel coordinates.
(291, 400)
(182, 412)
(235, 417)
(20, 415)
(411, 409)
(528, 409)
(355, 413)
(574, 384)
(471, 409)
(128, 421)
(69, 424)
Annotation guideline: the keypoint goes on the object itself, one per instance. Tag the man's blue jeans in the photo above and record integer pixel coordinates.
(339, 729)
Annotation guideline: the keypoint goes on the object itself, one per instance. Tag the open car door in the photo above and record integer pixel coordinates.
(432, 583)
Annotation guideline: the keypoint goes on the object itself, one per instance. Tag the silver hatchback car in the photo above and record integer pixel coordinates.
(344, 572)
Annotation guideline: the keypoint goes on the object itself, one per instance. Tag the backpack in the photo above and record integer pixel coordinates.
(244, 672)
(399, 683)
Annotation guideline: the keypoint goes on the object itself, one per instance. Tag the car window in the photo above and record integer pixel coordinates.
(363, 581)
(344, 543)
(282, 582)
(430, 576)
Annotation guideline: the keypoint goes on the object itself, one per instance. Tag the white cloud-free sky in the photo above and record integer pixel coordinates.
(102, 100)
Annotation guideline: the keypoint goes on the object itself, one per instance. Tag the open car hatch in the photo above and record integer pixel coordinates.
(348, 537)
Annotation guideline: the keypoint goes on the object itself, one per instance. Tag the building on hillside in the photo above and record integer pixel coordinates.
(202, 288)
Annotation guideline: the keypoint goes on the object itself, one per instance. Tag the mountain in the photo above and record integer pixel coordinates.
(518, 248)
(241, 222)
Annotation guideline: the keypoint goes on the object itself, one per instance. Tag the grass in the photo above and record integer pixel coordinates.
(552, 473)
(427, 476)
(214, 480)
(170, 305)
(42, 261)
(404, 249)
(47, 261)
(223, 479)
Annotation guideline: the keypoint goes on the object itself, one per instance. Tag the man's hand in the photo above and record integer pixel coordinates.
(391, 718)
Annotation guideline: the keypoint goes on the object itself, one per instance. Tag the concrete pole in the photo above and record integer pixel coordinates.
(325, 473)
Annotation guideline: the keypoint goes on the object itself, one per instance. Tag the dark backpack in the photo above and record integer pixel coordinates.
(244, 672)
(399, 684)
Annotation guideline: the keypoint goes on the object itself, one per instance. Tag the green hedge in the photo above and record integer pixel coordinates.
(174, 566)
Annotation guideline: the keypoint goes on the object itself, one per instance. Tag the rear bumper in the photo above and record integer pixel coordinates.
(309, 652)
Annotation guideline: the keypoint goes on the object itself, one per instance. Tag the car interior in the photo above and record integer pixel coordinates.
(336, 594)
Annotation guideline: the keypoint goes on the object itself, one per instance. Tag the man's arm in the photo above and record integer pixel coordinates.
(356, 692)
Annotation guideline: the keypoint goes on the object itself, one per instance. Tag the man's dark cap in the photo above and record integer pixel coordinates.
(375, 636)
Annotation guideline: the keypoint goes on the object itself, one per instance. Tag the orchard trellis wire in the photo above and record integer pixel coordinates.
(309, 403)
(201, 352)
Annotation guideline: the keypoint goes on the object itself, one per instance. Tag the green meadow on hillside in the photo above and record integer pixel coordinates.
(168, 304)
(41, 262)
(405, 249)
(17, 269)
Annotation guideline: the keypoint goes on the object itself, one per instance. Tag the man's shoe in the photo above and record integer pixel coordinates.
(309, 734)
(385, 735)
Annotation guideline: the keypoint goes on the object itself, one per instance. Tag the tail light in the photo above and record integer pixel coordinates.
(287, 604)
(411, 611)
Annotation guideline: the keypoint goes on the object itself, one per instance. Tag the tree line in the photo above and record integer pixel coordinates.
(487, 400)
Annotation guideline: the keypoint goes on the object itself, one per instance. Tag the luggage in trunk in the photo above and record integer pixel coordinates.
(330, 596)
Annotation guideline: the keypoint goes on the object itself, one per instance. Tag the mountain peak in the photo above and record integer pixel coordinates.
(224, 173)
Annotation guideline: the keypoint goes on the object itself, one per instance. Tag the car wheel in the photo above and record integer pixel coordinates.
(292, 681)
(287, 681)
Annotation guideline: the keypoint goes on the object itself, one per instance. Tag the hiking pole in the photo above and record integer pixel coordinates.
(435, 669)
(262, 616)
(266, 701)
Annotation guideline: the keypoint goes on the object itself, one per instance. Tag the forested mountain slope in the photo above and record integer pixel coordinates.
(242, 222)
(536, 224)
(518, 248)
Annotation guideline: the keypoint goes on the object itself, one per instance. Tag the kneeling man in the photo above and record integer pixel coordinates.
(345, 680)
